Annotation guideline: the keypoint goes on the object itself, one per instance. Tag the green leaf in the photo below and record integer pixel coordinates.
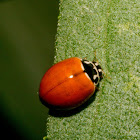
(112, 29)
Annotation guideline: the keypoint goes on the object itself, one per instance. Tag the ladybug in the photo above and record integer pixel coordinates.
(69, 83)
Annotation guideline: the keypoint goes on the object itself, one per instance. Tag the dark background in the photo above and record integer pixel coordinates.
(27, 38)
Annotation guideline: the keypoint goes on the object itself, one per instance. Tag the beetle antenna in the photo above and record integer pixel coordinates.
(95, 57)
(106, 75)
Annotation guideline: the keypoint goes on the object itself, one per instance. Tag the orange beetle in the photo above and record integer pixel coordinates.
(69, 83)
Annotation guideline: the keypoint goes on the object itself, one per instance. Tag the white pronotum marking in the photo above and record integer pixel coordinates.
(96, 64)
(99, 70)
(95, 76)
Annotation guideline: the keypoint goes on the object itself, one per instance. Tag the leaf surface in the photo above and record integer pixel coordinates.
(111, 28)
